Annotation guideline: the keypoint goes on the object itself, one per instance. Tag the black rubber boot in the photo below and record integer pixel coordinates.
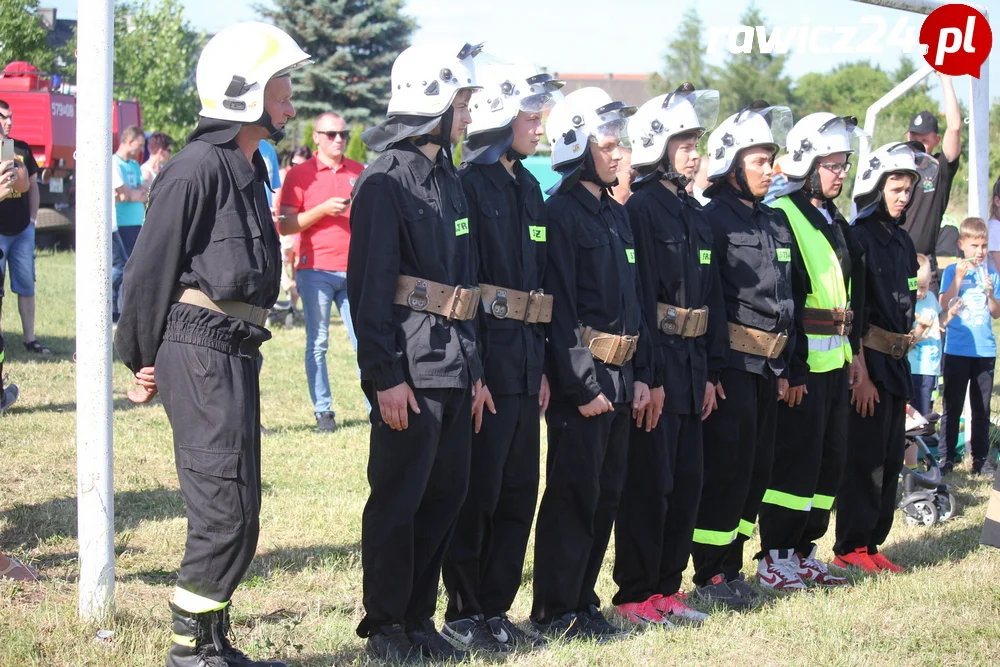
(201, 640)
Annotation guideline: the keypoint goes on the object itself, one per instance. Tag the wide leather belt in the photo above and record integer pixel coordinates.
(754, 341)
(426, 296)
(894, 344)
(612, 349)
(510, 304)
(244, 311)
(834, 322)
(676, 321)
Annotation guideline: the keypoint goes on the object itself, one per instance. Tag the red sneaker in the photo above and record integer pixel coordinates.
(674, 606)
(857, 559)
(777, 571)
(885, 564)
(642, 613)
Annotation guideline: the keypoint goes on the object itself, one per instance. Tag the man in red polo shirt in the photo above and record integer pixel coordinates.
(315, 203)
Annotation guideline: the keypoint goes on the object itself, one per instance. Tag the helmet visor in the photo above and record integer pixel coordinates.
(846, 125)
(704, 102)
(779, 119)
(543, 100)
(613, 129)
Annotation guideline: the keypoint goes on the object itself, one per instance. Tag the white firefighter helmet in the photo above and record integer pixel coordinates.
(907, 157)
(756, 125)
(819, 135)
(586, 114)
(237, 63)
(508, 88)
(426, 79)
(680, 112)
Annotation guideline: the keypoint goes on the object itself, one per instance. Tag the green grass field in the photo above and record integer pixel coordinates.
(302, 598)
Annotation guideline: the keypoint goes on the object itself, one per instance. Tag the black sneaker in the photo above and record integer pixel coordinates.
(8, 397)
(566, 626)
(593, 625)
(326, 422)
(946, 467)
(391, 644)
(429, 643)
(977, 466)
(472, 634)
(508, 634)
(717, 590)
(740, 586)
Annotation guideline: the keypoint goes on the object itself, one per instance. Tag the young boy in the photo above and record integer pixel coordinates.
(970, 350)
(925, 357)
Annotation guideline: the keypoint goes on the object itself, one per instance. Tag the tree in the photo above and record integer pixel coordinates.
(746, 77)
(156, 54)
(684, 59)
(23, 36)
(356, 149)
(353, 44)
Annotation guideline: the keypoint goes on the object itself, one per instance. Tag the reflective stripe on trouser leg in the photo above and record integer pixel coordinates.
(787, 500)
(746, 528)
(716, 538)
(821, 502)
(195, 604)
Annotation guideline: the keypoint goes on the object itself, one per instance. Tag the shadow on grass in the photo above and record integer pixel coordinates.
(120, 404)
(311, 427)
(61, 346)
(352, 655)
(329, 557)
(935, 545)
(30, 524)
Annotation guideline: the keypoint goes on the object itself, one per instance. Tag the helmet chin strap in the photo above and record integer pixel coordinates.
(814, 187)
(589, 171)
(668, 173)
(443, 138)
(266, 122)
(743, 191)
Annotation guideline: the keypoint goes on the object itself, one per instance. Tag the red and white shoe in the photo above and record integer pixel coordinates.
(674, 607)
(777, 571)
(858, 560)
(885, 564)
(642, 613)
(810, 568)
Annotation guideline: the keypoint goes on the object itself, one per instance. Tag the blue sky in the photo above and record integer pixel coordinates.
(614, 43)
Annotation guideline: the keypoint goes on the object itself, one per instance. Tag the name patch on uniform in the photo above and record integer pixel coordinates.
(630, 254)
(705, 256)
(913, 283)
(461, 226)
(537, 234)
(784, 255)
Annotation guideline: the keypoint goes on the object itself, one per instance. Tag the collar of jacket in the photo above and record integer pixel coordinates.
(729, 196)
(222, 133)
(589, 201)
(883, 227)
(803, 202)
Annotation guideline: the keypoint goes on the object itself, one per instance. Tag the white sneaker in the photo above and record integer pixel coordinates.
(810, 568)
(777, 571)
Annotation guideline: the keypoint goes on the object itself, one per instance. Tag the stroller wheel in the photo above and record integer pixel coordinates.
(922, 513)
(945, 505)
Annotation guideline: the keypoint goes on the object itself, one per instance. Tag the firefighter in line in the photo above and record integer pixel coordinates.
(755, 251)
(686, 317)
(811, 440)
(413, 288)
(196, 293)
(483, 566)
(866, 500)
(599, 360)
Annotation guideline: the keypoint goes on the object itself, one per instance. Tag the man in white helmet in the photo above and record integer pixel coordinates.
(412, 286)
(195, 297)
(682, 301)
(755, 251)
(599, 362)
(811, 441)
(482, 571)
(866, 500)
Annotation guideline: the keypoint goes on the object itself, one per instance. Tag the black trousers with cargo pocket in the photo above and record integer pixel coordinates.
(212, 400)
(418, 479)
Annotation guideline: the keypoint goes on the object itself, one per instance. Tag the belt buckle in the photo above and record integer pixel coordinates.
(848, 316)
(456, 302)
(535, 297)
(668, 324)
(500, 307)
(897, 350)
(779, 343)
(417, 299)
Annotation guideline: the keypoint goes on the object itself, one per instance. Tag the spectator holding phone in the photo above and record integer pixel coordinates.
(315, 203)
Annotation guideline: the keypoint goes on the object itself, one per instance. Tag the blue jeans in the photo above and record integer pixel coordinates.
(118, 258)
(18, 253)
(319, 290)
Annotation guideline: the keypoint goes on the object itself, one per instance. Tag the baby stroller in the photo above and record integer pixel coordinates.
(926, 499)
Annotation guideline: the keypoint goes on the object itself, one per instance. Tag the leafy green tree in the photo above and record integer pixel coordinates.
(23, 36)
(356, 149)
(746, 77)
(685, 58)
(353, 44)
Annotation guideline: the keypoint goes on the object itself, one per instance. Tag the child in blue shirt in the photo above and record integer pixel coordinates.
(970, 292)
(925, 357)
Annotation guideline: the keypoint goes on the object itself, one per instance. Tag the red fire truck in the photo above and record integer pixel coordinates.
(45, 119)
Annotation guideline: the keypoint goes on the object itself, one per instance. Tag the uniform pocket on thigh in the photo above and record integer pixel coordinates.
(211, 484)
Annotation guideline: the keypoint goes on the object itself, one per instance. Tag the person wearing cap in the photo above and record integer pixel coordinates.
(195, 296)
(811, 440)
(482, 570)
(866, 499)
(413, 291)
(755, 251)
(686, 318)
(599, 360)
(930, 196)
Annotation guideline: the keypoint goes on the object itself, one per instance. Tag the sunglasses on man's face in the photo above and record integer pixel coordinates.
(331, 135)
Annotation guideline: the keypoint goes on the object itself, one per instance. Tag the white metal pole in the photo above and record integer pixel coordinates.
(94, 450)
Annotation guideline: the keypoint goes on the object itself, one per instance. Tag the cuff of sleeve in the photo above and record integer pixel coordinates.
(643, 375)
(587, 393)
(714, 375)
(388, 376)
